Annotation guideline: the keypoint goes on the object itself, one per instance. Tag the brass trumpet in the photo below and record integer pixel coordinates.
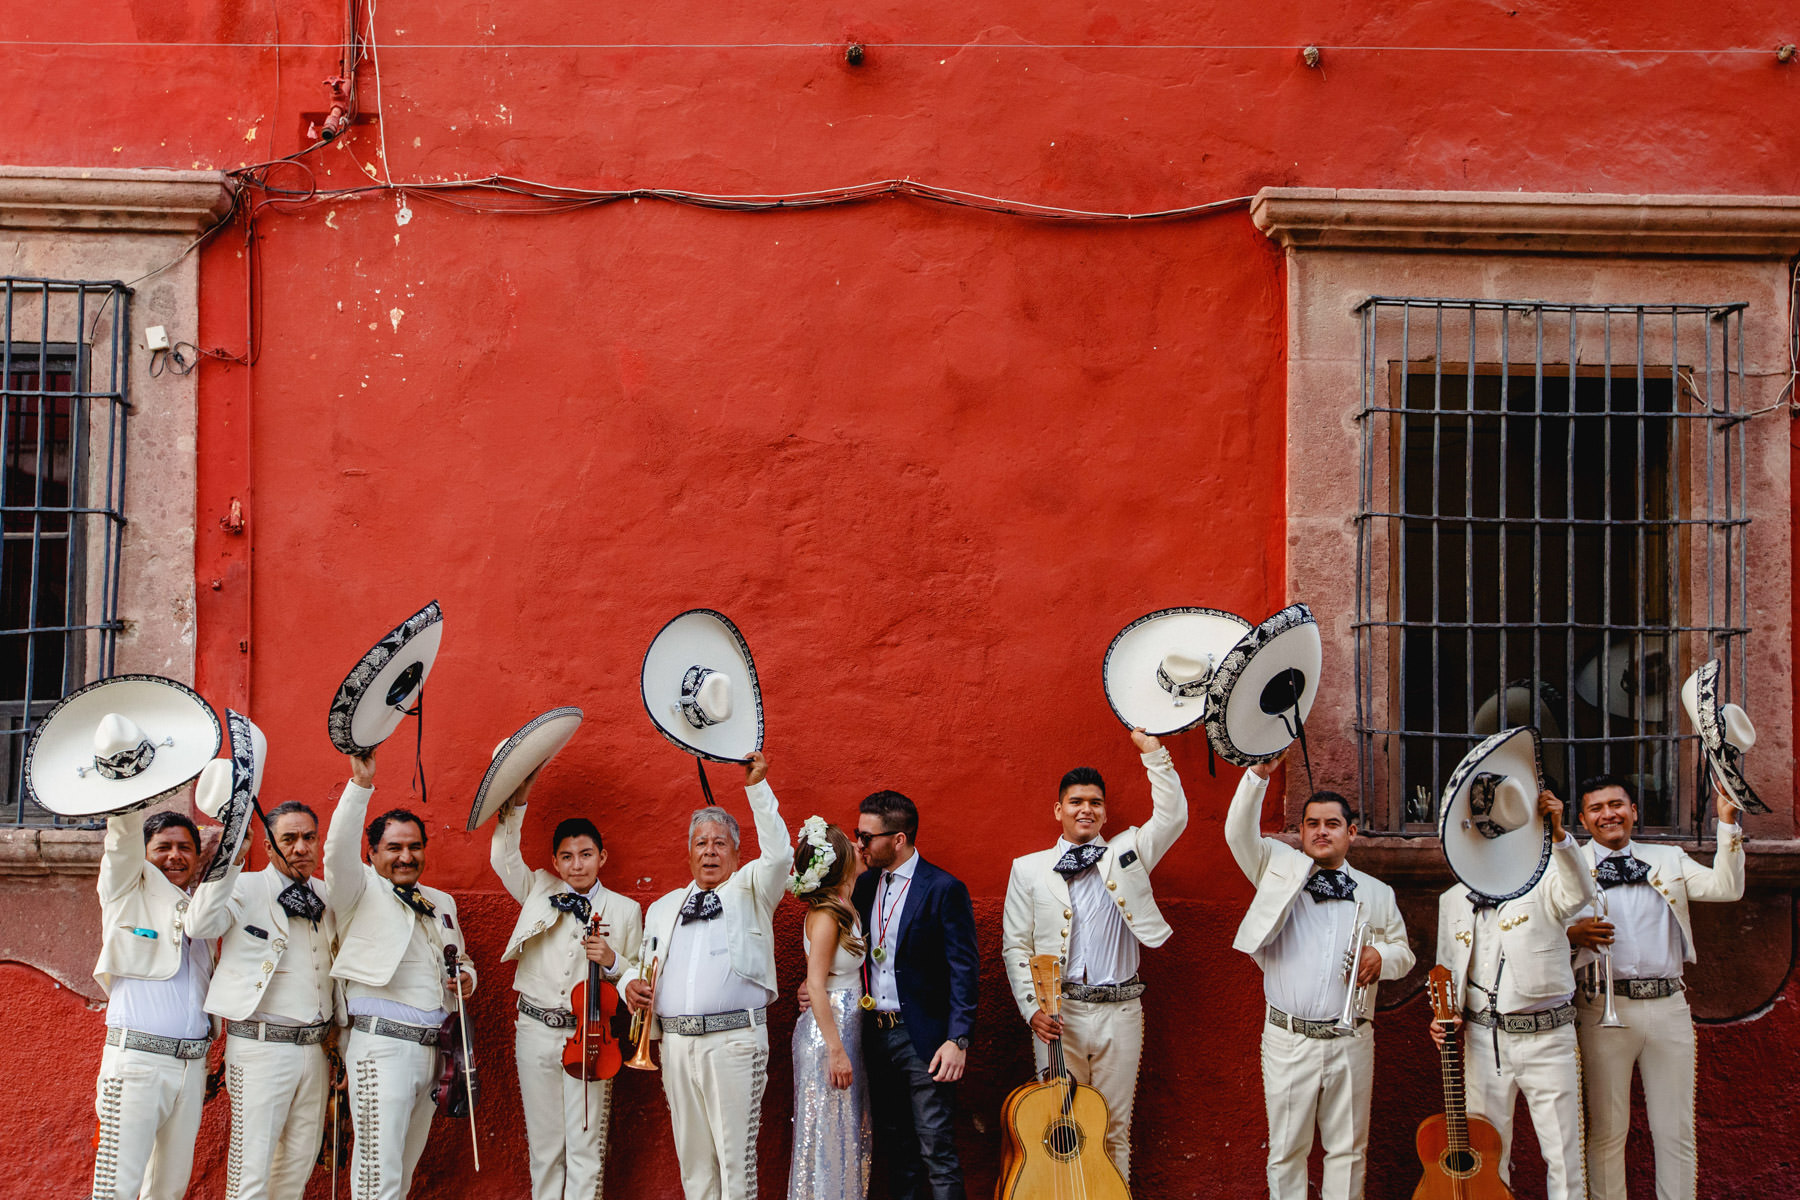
(640, 1059)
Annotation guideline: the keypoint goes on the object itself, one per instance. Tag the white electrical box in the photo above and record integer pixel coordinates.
(156, 338)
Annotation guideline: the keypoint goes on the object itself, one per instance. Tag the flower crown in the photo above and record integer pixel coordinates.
(812, 832)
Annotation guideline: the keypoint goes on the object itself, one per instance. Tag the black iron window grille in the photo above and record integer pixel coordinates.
(1551, 530)
(63, 355)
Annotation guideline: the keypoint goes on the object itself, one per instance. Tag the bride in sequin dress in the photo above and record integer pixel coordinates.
(831, 1099)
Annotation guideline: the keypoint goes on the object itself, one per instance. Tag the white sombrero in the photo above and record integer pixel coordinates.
(1492, 836)
(227, 790)
(1725, 733)
(699, 687)
(1157, 670)
(519, 758)
(1629, 692)
(1261, 694)
(375, 696)
(118, 745)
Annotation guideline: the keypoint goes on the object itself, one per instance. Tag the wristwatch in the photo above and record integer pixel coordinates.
(962, 1043)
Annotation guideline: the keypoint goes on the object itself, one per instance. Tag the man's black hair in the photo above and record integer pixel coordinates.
(379, 825)
(155, 823)
(1081, 777)
(1329, 798)
(575, 827)
(1594, 783)
(897, 813)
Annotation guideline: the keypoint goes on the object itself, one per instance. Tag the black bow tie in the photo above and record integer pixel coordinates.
(1480, 900)
(1077, 859)
(574, 904)
(1331, 884)
(701, 906)
(297, 899)
(410, 896)
(1621, 869)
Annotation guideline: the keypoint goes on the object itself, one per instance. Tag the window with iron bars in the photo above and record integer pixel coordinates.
(1551, 531)
(62, 436)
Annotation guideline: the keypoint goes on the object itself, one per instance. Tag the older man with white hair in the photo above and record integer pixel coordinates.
(714, 946)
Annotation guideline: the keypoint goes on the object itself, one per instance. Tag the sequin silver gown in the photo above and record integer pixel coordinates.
(831, 1125)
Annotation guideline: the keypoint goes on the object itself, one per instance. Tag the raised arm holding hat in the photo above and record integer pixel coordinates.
(1305, 917)
(1647, 889)
(393, 932)
(713, 940)
(1088, 901)
(1505, 945)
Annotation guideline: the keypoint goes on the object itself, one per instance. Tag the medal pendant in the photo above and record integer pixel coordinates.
(880, 953)
(868, 1003)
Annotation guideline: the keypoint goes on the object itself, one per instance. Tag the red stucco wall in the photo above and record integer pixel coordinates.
(929, 459)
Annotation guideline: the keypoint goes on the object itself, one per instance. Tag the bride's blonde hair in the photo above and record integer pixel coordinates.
(825, 896)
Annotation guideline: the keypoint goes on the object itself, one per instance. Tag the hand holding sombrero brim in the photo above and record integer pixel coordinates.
(1726, 734)
(1494, 839)
(1157, 669)
(228, 788)
(519, 758)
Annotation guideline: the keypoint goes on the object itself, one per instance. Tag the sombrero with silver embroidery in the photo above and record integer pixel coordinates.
(1725, 734)
(384, 685)
(1157, 669)
(699, 687)
(519, 758)
(1492, 835)
(1261, 694)
(119, 745)
(228, 787)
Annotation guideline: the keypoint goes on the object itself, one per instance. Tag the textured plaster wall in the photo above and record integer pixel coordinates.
(929, 459)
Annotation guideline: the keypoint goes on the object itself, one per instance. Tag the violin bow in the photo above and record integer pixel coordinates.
(453, 960)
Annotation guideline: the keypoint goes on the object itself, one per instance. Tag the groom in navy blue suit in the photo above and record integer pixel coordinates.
(923, 974)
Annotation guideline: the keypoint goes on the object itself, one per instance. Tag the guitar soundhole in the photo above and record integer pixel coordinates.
(1063, 1139)
(1462, 1163)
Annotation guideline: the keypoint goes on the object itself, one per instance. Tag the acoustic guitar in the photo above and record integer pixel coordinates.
(1460, 1153)
(1055, 1127)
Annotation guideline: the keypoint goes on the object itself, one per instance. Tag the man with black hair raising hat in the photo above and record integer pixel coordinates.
(1088, 902)
(1309, 904)
(273, 991)
(391, 960)
(1647, 889)
(567, 919)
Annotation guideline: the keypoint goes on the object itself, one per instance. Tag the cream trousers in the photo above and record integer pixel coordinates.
(1659, 1040)
(278, 1097)
(714, 1084)
(390, 1103)
(1103, 1045)
(1546, 1067)
(149, 1110)
(1323, 1083)
(568, 1162)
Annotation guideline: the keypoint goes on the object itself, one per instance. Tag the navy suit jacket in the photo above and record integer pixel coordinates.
(935, 964)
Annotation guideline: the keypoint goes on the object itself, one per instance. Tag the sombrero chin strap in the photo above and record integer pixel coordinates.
(418, 710)
(705, 786)
(1297, 729)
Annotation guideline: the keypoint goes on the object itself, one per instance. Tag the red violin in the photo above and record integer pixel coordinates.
(592, 1051)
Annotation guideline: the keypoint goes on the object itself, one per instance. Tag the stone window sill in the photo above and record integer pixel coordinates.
(30, 852)
(1770, 864)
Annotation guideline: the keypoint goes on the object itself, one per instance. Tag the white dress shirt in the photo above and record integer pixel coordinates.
(415, 994)
(1646, 938)
(890, 903)
(697, 980)
(1102, 949)
(173, 1007)
(1303, 966)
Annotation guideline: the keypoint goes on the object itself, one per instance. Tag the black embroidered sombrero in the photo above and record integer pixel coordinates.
(119, 745)
(384, 685)
(1260, 696)
(227, 790)
(1494, 840)
(519, 758)
(1726, 734)
(699, 687)
(1157, 669)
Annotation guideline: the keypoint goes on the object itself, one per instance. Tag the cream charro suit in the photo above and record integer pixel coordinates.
(1536, 970)
(1309, 1083)
(715, 1082)
(148, 1104)
(1658, 1038)
(1103, 1043)
(279, 1089)
(389, 1078)
(568, 1162)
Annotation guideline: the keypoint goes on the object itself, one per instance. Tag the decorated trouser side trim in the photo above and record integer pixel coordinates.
(279, 1095)
(1658, 1041)
(567, 1162)
(390, 1101)
(1546, 1069)
(1322, 1084)
(148, 1107)
(714, 1084)
(1103, 1045)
